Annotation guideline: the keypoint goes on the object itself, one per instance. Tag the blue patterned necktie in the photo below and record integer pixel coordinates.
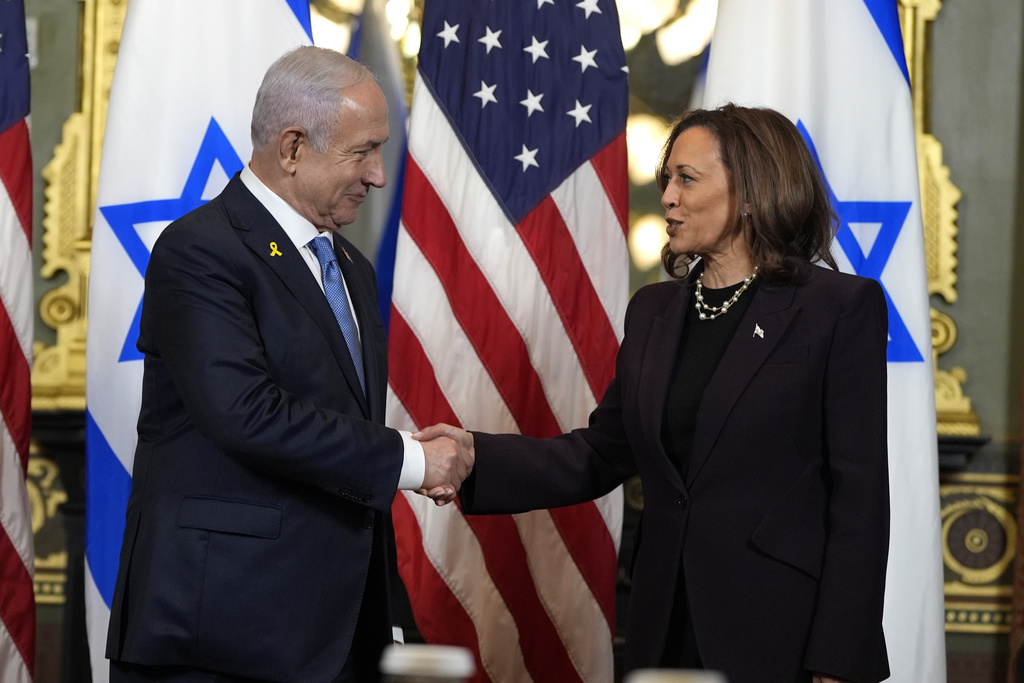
(334, 288)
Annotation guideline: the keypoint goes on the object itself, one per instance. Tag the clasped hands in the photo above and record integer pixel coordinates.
(449, 458)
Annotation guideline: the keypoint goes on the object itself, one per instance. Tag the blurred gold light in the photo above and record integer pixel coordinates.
(630, 36)
(328, 33)
(645, 136)
(397, 12)
(411, 41)
(646, 15)
(687, 36)
(646, 238)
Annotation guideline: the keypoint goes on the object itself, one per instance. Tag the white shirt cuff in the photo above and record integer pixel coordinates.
(414, 467)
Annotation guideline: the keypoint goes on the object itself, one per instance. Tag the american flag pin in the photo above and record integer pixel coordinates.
(758, 332)
(346, 254)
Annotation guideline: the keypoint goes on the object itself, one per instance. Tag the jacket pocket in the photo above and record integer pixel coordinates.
(795, 530)
(230, 516)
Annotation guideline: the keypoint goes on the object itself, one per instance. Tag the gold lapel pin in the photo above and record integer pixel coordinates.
(274, 250)
(346, 254)
(758, 332)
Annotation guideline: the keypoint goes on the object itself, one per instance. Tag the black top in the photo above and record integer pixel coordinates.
(701, 347)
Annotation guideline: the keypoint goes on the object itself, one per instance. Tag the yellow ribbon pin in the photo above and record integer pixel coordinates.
(273, 250)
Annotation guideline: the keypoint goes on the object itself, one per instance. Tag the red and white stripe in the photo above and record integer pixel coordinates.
(17, 602)
(508, 328)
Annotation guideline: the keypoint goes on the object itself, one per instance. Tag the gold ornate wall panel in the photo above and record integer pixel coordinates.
(58, 373)
(979, 543)
(939, 197)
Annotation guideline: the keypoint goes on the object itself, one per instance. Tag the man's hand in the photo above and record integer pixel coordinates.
(449, 456)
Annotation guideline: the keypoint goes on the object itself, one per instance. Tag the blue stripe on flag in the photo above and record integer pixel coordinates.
(887, 18)
(107, 485)
(301, 10)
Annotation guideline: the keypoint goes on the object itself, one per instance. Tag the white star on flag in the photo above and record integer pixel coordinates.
(585, 58)
(491, 39)
(528, 157)
(537, 49)
(580, 113)
(449, 34)
(542, 2)
(590, 6)
(532, 103)
(486, 94)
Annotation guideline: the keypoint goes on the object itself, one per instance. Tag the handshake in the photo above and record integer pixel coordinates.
(449, 456)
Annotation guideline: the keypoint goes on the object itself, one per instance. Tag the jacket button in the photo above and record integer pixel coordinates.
(682, 502)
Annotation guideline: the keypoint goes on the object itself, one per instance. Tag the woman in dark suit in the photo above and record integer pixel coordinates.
(750, 396)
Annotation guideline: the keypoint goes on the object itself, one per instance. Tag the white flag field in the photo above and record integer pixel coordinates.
(177, 129)
(837, 69)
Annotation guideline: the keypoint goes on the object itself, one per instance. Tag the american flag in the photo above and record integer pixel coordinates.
(17, 602)
(510, 288)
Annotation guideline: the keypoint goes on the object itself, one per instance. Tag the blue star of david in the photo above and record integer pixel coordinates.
(124, 218)
(890, 216)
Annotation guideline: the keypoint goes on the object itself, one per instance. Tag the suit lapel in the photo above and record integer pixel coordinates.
(666, 332)
(260, 230)
(770, 312)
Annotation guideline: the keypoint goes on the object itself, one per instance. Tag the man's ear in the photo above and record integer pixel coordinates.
(292, 144)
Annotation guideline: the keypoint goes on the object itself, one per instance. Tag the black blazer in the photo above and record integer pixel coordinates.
(263, 476)
(782, 523)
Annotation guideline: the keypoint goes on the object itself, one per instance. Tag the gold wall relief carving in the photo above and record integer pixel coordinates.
(939, 197)
(58, 372)
(979, 542)
(46, 494)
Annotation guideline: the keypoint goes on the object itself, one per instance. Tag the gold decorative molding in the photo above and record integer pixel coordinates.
(46, 494)
(939, 197)
(58, 372)
(953, 410)
(979, 542)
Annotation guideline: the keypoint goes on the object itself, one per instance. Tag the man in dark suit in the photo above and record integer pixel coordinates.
(256, 543)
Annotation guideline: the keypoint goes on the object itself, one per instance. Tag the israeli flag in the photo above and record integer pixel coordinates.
(837, 69)
(177, 129)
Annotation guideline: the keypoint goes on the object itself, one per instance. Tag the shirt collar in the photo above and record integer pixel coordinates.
(299, 230)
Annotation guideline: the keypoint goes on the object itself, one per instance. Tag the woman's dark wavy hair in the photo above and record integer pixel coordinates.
(789, 223)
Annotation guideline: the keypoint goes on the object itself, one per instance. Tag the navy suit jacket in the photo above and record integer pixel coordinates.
(782, 522)
(263, 476)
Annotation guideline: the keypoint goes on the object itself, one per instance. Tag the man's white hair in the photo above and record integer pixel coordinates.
(303, 88)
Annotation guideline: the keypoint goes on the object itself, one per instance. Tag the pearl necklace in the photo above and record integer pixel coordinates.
(709, 312)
